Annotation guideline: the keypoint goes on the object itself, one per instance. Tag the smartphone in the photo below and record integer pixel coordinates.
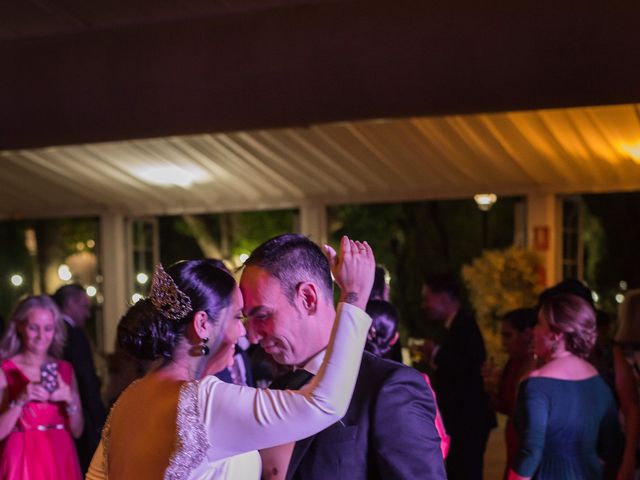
(49, 376)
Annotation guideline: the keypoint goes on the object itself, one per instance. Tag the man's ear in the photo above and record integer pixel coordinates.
(201, 324)
(395, 338)
(307, 296)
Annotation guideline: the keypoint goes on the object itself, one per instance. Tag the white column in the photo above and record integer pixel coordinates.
(313, 222)
(113, 260)
(543, 233)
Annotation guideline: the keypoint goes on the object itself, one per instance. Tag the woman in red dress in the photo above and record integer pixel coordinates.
(40, 406)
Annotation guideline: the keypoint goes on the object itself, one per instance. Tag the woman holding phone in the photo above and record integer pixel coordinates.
(39, 403)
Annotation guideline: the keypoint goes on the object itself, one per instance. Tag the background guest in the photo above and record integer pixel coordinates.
(516, 331)
(609, 361)
(565, 409)
(382, 335)
(75, 306)
(628, 343)
(381, 291)
(457, 378)
(40, 401)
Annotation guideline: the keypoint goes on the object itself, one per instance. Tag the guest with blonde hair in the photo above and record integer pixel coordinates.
(40, 405)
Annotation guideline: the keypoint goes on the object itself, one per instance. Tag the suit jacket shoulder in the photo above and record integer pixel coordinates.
(388, 431)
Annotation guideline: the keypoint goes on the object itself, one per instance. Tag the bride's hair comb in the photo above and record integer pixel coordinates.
(167, 298)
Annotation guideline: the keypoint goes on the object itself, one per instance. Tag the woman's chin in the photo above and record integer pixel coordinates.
(230, 361)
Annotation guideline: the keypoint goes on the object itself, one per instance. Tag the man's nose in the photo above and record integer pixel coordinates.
(252, 333)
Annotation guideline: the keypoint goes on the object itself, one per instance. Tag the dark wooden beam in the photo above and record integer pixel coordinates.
(306, 64)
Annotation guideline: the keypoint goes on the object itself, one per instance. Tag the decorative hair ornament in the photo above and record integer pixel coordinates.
(167, 298)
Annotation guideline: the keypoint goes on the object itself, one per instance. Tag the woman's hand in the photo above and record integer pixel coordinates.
(62, 393)
(353, 269)
(33, 392)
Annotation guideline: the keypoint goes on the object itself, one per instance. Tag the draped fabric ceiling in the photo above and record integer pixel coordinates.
(570, 150)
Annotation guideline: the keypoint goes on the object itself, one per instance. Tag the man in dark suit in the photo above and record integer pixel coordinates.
(75, 308)
(457, 378)
(388, 431)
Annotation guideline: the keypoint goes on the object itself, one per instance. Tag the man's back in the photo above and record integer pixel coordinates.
(387, 433)
(78, 352)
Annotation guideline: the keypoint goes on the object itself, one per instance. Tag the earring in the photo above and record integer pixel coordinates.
(204, 348)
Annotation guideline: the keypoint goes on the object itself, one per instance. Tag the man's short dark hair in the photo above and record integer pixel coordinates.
(293, 259)
(64, 293)
(444, 283)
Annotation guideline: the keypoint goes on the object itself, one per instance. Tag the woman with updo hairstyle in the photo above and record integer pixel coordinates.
(566, 415)
(383, 334)
(181, 422)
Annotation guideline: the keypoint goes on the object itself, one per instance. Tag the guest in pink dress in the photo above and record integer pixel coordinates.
(40, 406)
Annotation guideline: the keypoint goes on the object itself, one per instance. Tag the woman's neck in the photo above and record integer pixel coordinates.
(183, 366)
(559, 355)
(33, 358)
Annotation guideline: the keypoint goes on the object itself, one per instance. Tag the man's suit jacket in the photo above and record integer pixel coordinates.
(78, 352)
(458, 381)
(387, 433)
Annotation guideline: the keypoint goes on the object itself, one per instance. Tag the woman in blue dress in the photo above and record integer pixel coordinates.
(566, 415)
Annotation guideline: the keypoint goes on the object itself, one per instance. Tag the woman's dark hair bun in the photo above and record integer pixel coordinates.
(145, 334)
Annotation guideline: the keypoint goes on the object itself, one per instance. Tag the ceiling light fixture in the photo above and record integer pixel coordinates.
(170, 175)
(485, 200)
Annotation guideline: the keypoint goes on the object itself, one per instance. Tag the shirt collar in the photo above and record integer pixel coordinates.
(69, 320)
(314, 363)
(449, 320)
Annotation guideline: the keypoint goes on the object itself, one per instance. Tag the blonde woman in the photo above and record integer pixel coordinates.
(41, 408)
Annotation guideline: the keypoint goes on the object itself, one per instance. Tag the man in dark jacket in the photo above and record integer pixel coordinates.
(75, 308)
(388, 431)
(457, 378)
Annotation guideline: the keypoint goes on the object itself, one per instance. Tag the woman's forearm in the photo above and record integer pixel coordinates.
(76, 419)
(9, 418)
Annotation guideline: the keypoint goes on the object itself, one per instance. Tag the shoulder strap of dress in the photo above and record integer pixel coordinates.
(192, 442)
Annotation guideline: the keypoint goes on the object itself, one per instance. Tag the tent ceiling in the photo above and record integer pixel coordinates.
(245, 94)
(572, 150)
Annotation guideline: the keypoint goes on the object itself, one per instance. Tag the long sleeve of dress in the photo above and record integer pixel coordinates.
(239, 419)
(533, 415)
